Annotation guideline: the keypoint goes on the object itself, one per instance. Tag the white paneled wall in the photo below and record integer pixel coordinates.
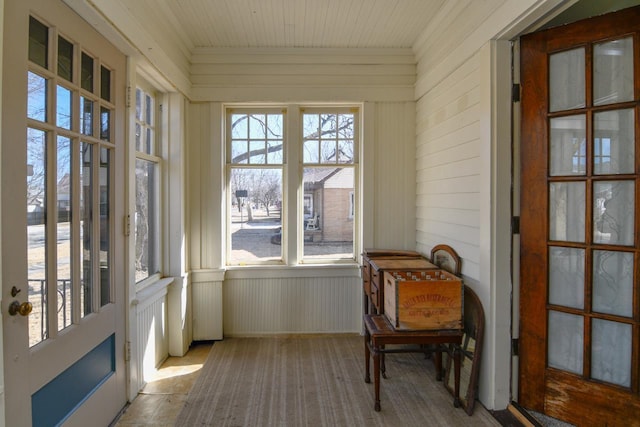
(448, 165)
(394, 182)
(256, 306)
(299, 75)
(463, 156)
(151, 343)
(206, 295)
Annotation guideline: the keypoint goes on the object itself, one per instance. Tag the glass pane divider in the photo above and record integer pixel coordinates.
(51, 230)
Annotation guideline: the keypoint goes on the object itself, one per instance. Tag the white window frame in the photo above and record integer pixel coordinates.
(156, 156)
(293, 197)
(243, 109)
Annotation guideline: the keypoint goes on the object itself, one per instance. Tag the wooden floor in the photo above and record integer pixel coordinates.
(161, 400)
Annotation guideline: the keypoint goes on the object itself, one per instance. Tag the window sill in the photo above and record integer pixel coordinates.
(299, 271)
(151, 289)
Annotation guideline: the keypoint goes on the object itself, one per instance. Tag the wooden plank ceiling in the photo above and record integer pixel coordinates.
(291, 23)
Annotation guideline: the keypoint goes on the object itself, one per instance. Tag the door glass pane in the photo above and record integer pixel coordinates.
(567, 80)
(566, 277)
(38, 42)
(64, 232)
(36, 234)
(65, 58)
(105, 124)
(105, 83)
(565, 338)
(86, 116)
(105, 226)
(63, 108)
(614, 140)
(86, 72)
(613, 211)
(613, 71)
(613, 282)
(37, 97)
(86, 227)
(611, 352)
(566, 211)
(568, 154)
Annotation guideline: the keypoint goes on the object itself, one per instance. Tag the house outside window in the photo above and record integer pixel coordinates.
(147, 186)
(258, 198)
(329, 148)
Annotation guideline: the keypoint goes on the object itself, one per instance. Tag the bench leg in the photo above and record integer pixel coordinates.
(383, 365)
(437, 360)
(376, 377)
(367, 356)
(456, 365)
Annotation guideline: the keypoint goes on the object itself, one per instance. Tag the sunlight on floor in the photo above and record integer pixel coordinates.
(161, 400)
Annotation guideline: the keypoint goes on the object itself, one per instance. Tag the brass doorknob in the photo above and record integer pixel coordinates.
(22, 309)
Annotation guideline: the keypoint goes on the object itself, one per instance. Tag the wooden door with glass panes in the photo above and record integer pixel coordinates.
(62, 255)
(580, 311)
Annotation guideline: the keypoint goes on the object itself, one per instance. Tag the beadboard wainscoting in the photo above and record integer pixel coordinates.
(206, 288)
(305, 300)
(151, 343)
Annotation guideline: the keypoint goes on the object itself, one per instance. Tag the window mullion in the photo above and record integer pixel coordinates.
(76, 243)
(51, 258)
(95, 225)
(293, 192)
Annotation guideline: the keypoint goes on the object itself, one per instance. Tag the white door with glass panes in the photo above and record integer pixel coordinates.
(62, 253)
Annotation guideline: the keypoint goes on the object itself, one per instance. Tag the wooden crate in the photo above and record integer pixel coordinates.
(423, 299)
(374, 266)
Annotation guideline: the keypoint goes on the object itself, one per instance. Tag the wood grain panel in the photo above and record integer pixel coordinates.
(533, 271)
(612, 407)
(303, 23)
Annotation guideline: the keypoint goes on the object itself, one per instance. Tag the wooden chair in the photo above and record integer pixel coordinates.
(471, 351)
(445, 257)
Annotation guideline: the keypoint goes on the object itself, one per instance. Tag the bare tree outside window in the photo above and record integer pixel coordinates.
(146, 221)
(256, 167)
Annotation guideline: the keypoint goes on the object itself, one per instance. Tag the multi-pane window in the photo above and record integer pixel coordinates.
(146, 223)
(69, 181)
(255, 161)
(325, 196)
(329, 166)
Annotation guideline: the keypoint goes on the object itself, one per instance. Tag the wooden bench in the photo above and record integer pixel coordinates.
(379, 333)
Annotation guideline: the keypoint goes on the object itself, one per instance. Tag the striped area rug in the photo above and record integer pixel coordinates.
(316, 381)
